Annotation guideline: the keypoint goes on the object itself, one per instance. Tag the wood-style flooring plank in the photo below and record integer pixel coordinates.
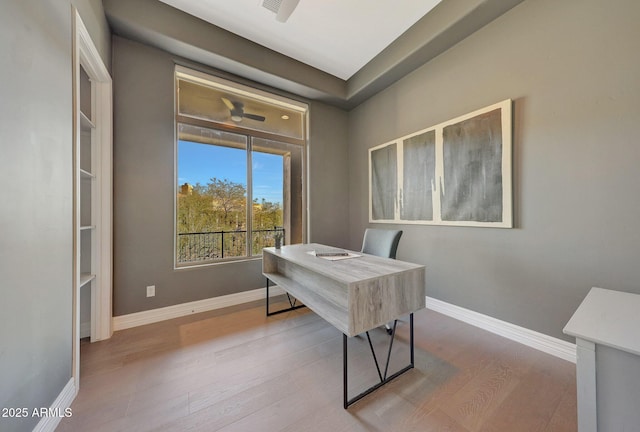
(236, 407)
(532, 404)
(474, 402)
(434, 421)
(237, 370)
(564, 418)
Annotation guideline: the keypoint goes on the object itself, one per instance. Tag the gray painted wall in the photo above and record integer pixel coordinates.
(328, 176)
(144, 192)
(36, 260)
(572, 69)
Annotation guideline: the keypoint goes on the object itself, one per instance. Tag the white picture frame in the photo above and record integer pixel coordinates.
(456, 173)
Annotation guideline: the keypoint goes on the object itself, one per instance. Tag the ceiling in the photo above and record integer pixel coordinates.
(340, 52)
(335, 36)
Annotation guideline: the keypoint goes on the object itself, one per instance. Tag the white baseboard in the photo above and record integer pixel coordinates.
(550, 345)
(155, 315)
(50, 421)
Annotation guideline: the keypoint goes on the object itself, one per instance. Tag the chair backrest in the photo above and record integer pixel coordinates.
(381, 242)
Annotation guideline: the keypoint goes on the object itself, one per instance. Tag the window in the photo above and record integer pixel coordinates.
(240, 170)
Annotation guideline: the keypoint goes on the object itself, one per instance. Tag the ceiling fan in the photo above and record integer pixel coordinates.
(282, 8)
(237, 111)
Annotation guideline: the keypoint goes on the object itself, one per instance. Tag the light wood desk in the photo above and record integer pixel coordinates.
(355, 295)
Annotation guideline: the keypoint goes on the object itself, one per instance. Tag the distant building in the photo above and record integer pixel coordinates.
(186, 189)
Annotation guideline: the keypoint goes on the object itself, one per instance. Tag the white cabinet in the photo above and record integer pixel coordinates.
(605, 326)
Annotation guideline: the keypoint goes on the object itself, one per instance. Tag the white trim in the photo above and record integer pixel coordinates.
(62, 402)
(548, 344)
(156, 315)
(104, 132)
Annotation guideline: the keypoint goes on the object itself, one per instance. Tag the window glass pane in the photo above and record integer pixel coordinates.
(235, 109)
(268, 199)
(230, 134)
(292, 168)
(212, 195)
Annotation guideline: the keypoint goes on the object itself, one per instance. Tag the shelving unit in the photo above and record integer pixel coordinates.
(92, 193)
(86, 278)
(87, 156)
(86, 174)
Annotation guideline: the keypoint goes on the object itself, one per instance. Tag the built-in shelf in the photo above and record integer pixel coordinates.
(86, 174)
(85, 123)
(92, 196)
(85, 278)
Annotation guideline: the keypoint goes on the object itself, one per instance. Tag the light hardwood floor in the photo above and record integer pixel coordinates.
(236, 370)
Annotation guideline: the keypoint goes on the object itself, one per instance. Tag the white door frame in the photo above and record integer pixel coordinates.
(86, 54)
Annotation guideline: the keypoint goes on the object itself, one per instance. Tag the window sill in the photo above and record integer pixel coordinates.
(216, 263)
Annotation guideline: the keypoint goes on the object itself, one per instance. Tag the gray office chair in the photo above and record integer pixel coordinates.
(382, 243)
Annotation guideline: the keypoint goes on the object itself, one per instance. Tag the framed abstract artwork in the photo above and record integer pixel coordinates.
(455, 173)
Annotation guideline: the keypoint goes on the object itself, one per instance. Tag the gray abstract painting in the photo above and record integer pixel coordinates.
(471, 187)
(455, 173)
(419, 162)
(384, 184)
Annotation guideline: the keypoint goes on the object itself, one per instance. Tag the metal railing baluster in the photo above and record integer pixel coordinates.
(208, 245)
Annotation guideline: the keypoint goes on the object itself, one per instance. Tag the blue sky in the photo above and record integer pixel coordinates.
(197, 163)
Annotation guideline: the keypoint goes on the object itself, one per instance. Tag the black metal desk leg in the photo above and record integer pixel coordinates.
(383, 377)
(267, 296)
(411, 338)
(344, 370)
(292, 304)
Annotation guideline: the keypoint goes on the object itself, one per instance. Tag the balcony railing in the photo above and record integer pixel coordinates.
(214, 245)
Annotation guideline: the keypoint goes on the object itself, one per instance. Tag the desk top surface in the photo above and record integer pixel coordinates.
(356, 269)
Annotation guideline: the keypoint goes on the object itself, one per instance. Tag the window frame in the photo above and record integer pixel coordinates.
(183, 73)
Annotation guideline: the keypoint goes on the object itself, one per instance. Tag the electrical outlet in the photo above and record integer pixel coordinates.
(151, 291)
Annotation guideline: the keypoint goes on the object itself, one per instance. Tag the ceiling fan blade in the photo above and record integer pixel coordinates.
(228, 103)
(254, 117)
(286, 9)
